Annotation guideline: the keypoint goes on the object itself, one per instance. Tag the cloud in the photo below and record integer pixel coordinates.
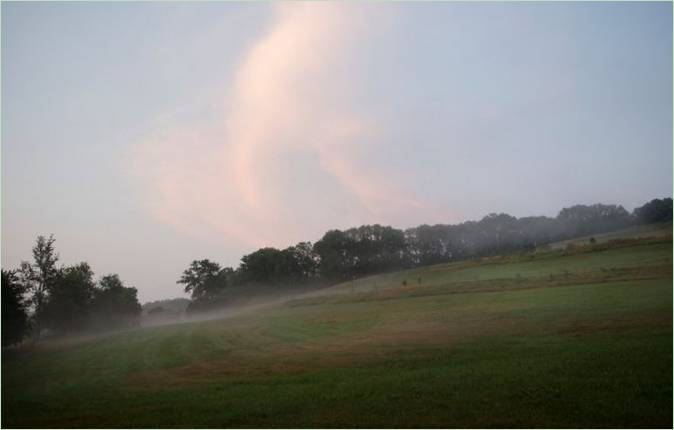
(285, 157)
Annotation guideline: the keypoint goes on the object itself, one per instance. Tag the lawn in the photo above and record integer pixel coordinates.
(554, 339)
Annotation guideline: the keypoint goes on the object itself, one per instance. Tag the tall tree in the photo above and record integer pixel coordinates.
(115, 305)
(271, 266)
(68, 306)
(38, 277)
(363, 250)
(14, 309)
(304, 260)
(657, 210)
(580, 220)
(203, 279)
(262, 266)
(335, 251)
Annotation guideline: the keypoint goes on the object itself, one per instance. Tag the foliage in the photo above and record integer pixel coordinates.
(14, 309)
(370, 249)
(203, 279)
(64, 299)
(657, 210)
(38, 277)
(177, 305)
(359, 251)
(273, 266)
(582, 220)
(71, 297)
(557, 355)
(114, 305)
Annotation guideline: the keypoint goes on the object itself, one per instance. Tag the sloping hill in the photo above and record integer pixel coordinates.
(578, 338)
(641, 231)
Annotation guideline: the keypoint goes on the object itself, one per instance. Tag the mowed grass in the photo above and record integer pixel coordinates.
(635, 232)
(547, 340)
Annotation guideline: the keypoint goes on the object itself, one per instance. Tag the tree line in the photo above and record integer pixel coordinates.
(370, 249)
(40, 297)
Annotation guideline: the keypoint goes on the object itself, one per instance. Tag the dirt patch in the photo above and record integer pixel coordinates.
(378, 344)
(208, 371)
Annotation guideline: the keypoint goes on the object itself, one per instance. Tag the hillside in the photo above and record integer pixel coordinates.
(634, 232)
(559, 338)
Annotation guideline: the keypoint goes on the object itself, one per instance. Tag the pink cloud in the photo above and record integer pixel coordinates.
(285, 160)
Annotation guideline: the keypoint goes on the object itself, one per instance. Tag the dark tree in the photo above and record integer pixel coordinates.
(263, 266)
(39, 276)
(538, 230)
(203, 279)
(368, 249)
(14, 309)
(378, 248)
(68, 306)
(302, 260)
(657, 210)
(498, 233)
(358, 251)
(335, 251)
(115, 305)
(177, 305)
(582, 220)
(271, 266)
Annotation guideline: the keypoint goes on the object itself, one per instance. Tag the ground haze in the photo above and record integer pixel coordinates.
(573, 337)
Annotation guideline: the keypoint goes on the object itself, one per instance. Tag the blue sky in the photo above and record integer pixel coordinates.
(146, 135)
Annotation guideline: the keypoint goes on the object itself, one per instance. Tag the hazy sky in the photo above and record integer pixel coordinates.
(146, 135)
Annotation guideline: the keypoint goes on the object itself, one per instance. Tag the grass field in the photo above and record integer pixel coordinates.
(548, 339)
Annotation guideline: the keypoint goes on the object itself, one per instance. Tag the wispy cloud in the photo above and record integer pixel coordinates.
(286, 156)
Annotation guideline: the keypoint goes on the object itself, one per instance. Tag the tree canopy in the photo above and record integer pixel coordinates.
(368, 249)
(657, 210)
(40, 296)
(14, 309)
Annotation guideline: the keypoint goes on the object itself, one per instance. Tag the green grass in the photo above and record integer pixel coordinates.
(634, 232)
(549, 340)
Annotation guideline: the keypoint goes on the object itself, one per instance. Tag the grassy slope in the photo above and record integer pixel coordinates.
(549, 340)
(637, 231)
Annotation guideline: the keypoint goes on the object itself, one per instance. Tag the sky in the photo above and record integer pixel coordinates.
(147, 135)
